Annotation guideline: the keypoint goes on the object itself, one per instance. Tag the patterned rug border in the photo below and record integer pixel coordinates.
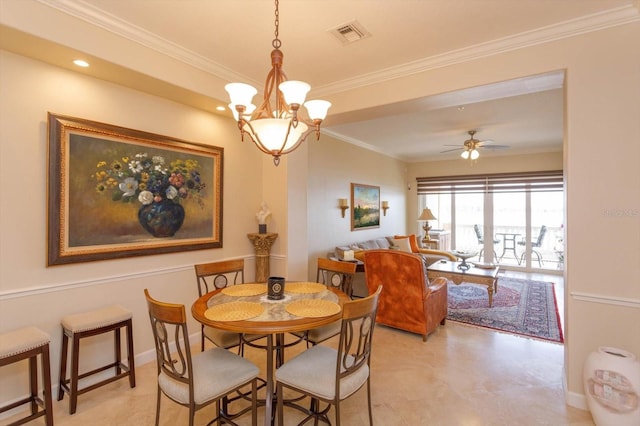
(559, 340)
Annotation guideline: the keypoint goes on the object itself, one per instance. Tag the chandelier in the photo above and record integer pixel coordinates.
(276, 129)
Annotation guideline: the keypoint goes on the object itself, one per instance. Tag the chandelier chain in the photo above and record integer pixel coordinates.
(276, 41)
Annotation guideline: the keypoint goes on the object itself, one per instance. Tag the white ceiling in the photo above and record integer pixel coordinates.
(232, 39)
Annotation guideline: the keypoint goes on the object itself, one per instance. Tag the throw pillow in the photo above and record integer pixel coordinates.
(368, 245)
(413, 242)
(402, 244)
(383, 243)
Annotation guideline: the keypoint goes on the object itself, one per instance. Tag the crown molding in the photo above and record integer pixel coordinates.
(585, 24)
(98, 17)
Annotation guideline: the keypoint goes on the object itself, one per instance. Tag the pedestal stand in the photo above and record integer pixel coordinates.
(262, 246)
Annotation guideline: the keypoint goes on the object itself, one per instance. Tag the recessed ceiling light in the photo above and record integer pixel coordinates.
(81, 63)
(220, 108)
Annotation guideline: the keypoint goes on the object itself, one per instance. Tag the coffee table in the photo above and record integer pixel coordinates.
(475, 275)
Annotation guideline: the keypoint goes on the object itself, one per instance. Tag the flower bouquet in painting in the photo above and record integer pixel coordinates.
(154, 183)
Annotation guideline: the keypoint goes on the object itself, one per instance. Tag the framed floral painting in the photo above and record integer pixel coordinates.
(365, 206)
(115, 192)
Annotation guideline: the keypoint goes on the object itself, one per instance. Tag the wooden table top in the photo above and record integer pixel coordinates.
(275, 318)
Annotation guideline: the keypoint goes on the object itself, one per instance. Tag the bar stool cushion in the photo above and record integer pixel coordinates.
(92, 320)
(22, 340)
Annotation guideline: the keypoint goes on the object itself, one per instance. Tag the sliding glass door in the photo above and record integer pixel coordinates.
(520, 213)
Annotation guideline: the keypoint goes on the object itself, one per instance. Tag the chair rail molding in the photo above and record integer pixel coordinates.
(608, 300)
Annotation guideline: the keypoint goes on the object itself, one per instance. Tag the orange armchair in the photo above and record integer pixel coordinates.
(408, 301)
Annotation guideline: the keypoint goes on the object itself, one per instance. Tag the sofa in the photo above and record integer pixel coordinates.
(402, 243)
(406, 243)
(408, 300)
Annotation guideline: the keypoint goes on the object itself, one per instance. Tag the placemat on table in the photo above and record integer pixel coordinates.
(306, 287)
(234, 311)
(245, 290)
(312, 308)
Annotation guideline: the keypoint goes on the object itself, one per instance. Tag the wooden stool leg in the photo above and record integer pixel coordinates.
(33, 383)
(130, 355)
(46, 374)
(63, 365)
(117, 348)
(75, 359)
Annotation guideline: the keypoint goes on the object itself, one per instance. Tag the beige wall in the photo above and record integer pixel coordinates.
(31, 293)
(333, 166)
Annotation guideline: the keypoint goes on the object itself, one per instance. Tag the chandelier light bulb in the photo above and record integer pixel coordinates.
(475, 154)
(465, 154)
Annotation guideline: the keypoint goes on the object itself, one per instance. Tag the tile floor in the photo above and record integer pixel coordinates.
(460, 376)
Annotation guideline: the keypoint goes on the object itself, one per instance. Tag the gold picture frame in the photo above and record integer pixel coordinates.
(115, 192)
(365, 206)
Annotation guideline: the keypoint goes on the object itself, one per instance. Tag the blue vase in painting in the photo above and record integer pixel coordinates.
(161, 219)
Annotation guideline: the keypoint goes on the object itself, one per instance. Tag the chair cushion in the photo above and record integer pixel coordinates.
(216, 372)
(325, 332)
(95, 319)
(22, 340)
(221, 338)
(314, 371)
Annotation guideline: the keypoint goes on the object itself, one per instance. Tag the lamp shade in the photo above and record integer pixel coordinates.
(427, 215)
(295, 92)
(317, 109)
(240, 93)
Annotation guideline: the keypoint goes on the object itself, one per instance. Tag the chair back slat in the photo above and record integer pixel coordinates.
(543, 231)
(169, 326)
(356, 335)
(336, 274)
(215, 275)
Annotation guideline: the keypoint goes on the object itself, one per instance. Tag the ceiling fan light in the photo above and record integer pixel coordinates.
(464, 154)
(317, 109)
(475, 154)
(295, 92)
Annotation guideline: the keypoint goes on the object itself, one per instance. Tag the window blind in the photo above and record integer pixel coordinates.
(492, 183)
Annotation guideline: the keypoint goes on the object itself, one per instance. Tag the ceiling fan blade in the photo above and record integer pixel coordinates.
(494, 146)
(450, 150)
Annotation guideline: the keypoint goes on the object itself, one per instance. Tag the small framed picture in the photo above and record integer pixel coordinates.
(365, 206)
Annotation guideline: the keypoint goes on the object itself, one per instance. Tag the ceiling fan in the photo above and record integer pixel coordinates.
(470, 146)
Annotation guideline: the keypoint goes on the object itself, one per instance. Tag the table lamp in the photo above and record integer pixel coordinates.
(426, 216)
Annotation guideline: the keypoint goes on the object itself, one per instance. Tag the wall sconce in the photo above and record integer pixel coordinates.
(385, 207)
(343, 203)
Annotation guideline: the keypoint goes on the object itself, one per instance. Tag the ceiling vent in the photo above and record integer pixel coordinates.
(350, 32)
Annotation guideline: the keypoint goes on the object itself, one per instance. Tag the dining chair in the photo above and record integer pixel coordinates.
(480, 238)
(534, 244)
(329, 375)
(333, 274)
(199, 380)
(216, 275)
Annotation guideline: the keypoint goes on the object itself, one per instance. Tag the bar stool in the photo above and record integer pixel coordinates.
(28, 343)
(86, 324)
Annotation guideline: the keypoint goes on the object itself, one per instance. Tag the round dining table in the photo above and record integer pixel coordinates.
(273, 321)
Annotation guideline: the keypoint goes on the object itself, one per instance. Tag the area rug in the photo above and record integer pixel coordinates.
(523, 307)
